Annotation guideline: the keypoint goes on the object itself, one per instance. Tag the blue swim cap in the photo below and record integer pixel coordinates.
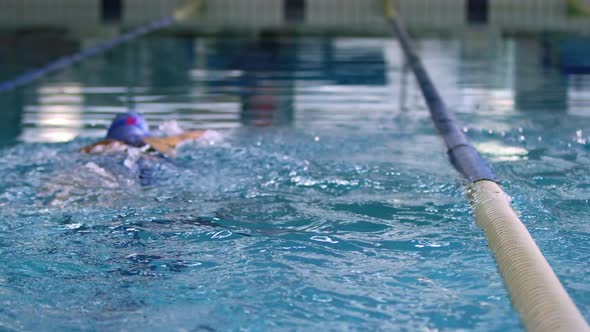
(130, 128)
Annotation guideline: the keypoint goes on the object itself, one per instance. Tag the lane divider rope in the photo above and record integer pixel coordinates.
(534, 289)
(69, 60)
(189, 9)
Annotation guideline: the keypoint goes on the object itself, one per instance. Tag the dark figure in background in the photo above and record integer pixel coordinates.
(267, 85)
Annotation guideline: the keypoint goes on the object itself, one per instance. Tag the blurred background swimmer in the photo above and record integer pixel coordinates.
(131, 130)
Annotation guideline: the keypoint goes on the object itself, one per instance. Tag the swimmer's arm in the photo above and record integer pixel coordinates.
(102, 146)
(189, 135)
(167, 145)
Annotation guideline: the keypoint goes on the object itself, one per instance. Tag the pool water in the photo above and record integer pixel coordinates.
(320, 198)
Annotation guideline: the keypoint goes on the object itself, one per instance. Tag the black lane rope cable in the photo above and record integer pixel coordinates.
(534, 289)
(69, 60)
(461, 154)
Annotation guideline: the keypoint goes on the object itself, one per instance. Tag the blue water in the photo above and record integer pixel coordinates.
(321, 198)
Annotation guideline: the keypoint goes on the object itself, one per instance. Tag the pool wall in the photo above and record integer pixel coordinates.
(105, 17)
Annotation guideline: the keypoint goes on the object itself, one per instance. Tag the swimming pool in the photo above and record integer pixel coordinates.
(322, 199)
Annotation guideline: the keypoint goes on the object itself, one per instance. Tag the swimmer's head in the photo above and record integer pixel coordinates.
(130, 128)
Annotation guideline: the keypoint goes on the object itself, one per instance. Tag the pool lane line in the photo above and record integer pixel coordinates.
(535, 290)
(180, 14)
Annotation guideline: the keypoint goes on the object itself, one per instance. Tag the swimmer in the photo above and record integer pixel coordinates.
(131, 130)
(105, 180)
